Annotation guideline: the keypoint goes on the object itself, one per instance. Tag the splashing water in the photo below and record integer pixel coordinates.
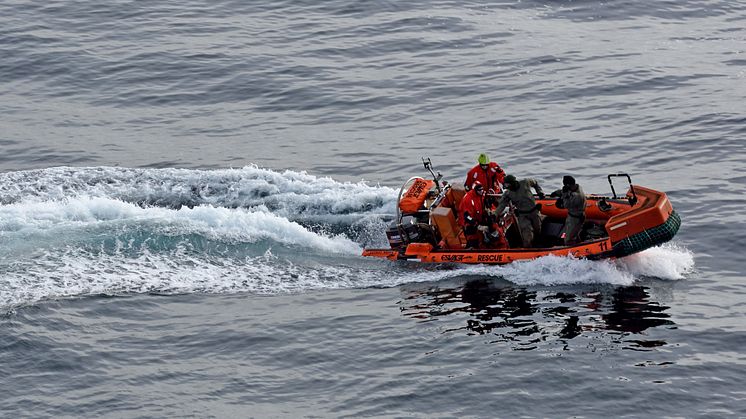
(669, 261)
(76, 232)
(219, 224)
(288, 194)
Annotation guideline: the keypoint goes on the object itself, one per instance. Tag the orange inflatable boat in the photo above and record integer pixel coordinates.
(426, 227)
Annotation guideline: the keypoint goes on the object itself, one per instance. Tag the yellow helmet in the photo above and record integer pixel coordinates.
(483, 159)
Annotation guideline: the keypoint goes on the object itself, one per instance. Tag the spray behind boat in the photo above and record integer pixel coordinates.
(413, 209)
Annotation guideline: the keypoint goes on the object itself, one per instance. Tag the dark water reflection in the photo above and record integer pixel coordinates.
(526, 317)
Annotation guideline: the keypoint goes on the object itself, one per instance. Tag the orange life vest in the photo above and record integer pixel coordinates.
(415, 196)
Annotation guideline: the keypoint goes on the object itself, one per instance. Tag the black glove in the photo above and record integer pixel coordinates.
(541, 195)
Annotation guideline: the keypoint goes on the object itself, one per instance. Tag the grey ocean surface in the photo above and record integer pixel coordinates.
(186, 187)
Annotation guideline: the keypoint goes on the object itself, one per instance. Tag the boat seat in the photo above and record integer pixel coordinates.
(455, 195)
(450, 232)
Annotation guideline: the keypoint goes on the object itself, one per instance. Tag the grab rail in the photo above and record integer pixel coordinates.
(633, 198)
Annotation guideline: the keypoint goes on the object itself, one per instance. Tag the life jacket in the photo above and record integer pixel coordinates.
(416, 194)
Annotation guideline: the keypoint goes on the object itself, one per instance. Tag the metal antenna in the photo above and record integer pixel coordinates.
(429, 166)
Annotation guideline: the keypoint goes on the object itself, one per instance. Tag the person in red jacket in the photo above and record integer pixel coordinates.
(488, 173)
(471, 214)
(480, 228)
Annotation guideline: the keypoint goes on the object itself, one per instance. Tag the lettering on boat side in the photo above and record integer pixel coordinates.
(490, 258)
(452, 258)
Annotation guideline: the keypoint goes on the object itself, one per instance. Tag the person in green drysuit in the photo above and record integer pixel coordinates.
(571, 197)
(519, 194)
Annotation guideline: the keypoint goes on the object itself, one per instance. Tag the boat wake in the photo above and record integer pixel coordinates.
(89, 231)
(86, 220)
(667, 262)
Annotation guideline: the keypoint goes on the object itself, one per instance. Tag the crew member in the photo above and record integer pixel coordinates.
(519, 194)
(471, 214)
(488, 173)
(572, 198)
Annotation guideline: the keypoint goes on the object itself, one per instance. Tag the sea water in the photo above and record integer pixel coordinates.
(186, 189)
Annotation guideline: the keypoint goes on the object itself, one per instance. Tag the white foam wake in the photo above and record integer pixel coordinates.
(74, 271)
(58, 248)
(83, 215)
(549, 271)
(668, 262)
(288, 194)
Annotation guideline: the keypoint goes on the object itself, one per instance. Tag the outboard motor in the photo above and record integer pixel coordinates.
(400, 235)
(416, 198)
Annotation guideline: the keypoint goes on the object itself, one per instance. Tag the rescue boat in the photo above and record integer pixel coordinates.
(425, 228)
